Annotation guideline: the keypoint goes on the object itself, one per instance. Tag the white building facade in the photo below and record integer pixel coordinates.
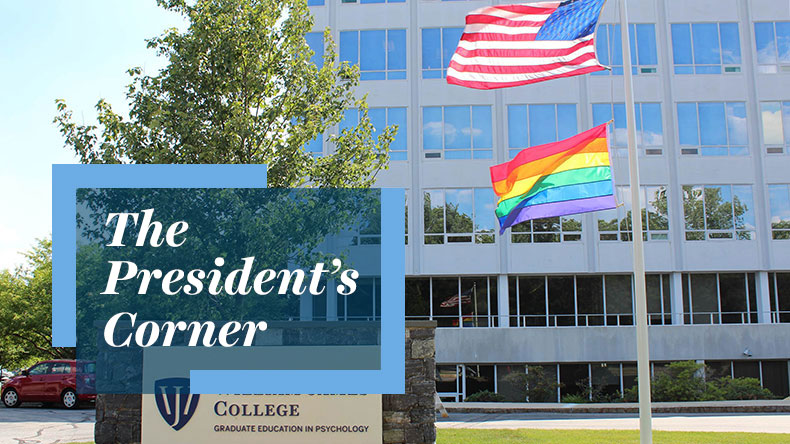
(712, 87)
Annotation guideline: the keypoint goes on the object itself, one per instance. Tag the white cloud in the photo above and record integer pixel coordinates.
(772, 125)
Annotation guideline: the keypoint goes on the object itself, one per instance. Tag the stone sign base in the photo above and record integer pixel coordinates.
(406, 419)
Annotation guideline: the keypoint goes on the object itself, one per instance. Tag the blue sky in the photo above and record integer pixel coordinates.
(77, 51)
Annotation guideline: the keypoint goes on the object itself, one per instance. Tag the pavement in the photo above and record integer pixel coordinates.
(32, 424)
(703, 422)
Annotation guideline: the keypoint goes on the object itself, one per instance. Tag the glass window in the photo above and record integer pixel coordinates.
(478, 378)
(713, 128)
(589, 300)
(618, 293)
(773, 46)
(605, 381)
(616, 224)
(776, 126)
(438, 46)
(380, 54)
(381, 118)
(61, 367)
(548, 230)
(718, 212)
(584, 300)
(719, 298)
(609, 48)
(531, 125)
(779, 288)
(775, 377)
(649, 127)
(460, 132)
(364, 304)
(467, 302)
(574, 379)
(658, 299)
(511, 382)
(373, 1)
(40, 369)
(528, 302)
(779, 197)
(460, 216)
(706, 48)
(562, 307)
(315, 40)
(448, 382)
(315, 2)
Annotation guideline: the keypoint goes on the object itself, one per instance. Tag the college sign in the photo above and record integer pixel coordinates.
(175, 416)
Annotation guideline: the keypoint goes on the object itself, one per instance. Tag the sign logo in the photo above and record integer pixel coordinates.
(176, 405)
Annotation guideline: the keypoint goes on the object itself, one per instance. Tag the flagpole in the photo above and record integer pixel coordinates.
(642, 348)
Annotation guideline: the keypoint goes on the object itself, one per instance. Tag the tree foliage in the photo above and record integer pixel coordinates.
(239, 88)
(26, 311)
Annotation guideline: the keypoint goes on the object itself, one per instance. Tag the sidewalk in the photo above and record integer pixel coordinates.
(732, 422)
(762, 406)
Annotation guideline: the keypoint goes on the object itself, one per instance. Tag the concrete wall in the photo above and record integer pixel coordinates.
(597, 344)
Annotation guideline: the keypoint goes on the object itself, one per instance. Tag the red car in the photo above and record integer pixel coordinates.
(51, 381)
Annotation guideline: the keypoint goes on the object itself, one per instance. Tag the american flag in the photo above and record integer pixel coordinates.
(466, 298)
(512, 45)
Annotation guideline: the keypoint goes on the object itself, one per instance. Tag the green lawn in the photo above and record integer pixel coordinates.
(526, 436)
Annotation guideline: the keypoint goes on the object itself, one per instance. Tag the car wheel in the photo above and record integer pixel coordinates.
(69, 399)
(11, 398)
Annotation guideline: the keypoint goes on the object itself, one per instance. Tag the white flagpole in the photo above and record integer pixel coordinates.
(642, 349)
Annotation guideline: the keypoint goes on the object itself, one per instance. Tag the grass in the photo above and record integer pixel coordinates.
(531, 436)
(534, 436)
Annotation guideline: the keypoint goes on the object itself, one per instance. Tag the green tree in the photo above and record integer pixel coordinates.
(239, 88)
(26, 311)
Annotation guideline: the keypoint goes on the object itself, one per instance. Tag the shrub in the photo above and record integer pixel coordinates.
(683, 381)
(575, 398)
(485, 396)
(730, 389)
(680, 381)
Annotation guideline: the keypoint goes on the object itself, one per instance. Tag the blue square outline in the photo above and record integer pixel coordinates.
(66, 179)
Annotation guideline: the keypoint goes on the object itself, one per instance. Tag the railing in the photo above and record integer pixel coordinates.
(724, 317)
(780, 317)
(601, 320)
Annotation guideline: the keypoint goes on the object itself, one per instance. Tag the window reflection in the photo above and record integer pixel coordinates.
(649, 127)
(531, 125)
(718, 212)
(459, 132)
(609, 48)
(380, 54)
(459, 216)
(706, 48)
(713, 128)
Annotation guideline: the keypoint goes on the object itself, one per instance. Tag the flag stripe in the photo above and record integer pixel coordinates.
(537, 45)
(511, 49)
(486, 85)
(502, 171)
(508, 11)
(515, 21)
(484, 60)
(575, 162)
(555, 209)
(564, 194)
(568, 42)
(548, 163)
(500, 29)
(578, 177)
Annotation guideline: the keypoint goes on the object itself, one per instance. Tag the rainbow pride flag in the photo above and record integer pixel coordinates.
(557, 179)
